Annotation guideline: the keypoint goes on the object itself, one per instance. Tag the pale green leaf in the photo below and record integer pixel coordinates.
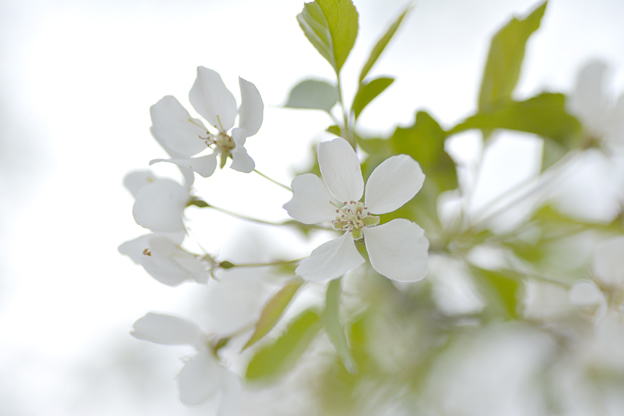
(332, 27)
(368, 92)
(381, 44)
(504, 62)
(273, 310)
(275, 359)
(313, 94)
(331, 322)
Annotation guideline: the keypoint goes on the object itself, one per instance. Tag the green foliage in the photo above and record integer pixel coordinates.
(313, 94)
(424, 141)
(331, 322)
(273, 310)
(272, 360)
(544, 115)
(504, 62)
(381, 45)
(368, 92)
(502, 292)
(332, 27)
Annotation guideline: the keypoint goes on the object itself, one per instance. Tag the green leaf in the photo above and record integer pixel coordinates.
(331, 26)
(368, 92)
(273, 310)
(331, 322)
(504, 62)
(502, 292)
(275, 359)
(424, 141)
(544, 115)
(381, 44)
(313, 94)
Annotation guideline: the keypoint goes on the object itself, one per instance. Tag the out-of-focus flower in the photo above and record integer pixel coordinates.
(203, 376)
(602, 119)
(605, 292)
(188, 136)
(397, 249)
(162, 257)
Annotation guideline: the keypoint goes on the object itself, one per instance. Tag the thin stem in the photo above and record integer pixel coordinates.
(274, 263)
(245, 217)
(346, 133)
(541, 278)
(272, 180)
(548, 177)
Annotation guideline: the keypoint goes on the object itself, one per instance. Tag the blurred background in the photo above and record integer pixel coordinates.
(77, 80)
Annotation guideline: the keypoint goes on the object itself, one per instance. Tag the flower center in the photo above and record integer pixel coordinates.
(352, 217)
(220, 141)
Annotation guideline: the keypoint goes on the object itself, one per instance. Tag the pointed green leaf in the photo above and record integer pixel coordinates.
(331, 322)
(544, 115)
(313, 94)
(273, 310)
(424, 141)
(331, 26)
(368, 92)
(275, 359)
(381, 44)
(504, 62)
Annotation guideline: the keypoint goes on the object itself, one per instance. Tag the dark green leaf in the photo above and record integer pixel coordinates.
(424, 141)
(368, 92)
(275, 359)
(544, 115)
(331, 322)
(504, 62)
(273, 310)
(381, 45)
(332, 27)
(313, 94)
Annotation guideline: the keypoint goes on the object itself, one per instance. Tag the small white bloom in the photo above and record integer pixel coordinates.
(602, 119)
(203, 376)
(606, 291)
(162, 257)
(188, 136)
(397, 249)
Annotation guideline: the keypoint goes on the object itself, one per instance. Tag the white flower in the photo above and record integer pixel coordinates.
(397, 249)
(162, 257)
(202, 376)
(606, 291)
(159, 204)
(594, 107)
(188, 136)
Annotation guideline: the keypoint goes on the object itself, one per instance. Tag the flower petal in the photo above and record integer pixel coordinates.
(398, 250)
(159, 206)
(331, 260)
(393, 183)
(203, 165)
(231, 399)
(588, 102)
(608, 261)
(212, 100)
(135, 180)
(615, 124)
(340, 168)
(585, 293)
(189, 178)
(241, 161)
(167, 330)
(172, 123)
(251, 109)
(134, 248)
(311, 201)
(200, 378)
